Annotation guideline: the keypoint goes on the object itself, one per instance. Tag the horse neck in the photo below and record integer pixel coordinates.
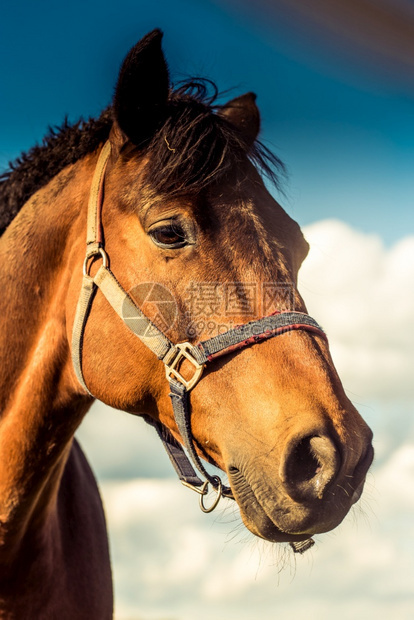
(40, 402)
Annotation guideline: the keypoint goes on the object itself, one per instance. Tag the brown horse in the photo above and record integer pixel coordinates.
(184, 207)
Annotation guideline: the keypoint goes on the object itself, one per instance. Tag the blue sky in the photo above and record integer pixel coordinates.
(344, 129)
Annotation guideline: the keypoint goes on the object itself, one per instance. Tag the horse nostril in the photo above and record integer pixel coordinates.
(310, 465)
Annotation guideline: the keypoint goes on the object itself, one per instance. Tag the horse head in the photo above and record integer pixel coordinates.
(200, 245)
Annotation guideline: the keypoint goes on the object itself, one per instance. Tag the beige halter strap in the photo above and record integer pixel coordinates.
(104, 279)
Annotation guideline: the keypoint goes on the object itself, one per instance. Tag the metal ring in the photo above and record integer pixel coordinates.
(217, 499)
(105, 261)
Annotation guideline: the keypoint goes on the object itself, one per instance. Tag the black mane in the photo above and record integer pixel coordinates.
(192, 147)
(62, 146)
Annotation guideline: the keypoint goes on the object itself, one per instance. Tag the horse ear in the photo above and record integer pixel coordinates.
(243, 113)
(142, 90)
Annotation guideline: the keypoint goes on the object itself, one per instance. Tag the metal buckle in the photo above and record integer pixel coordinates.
(90, 255)
(203, 490)
(181, 351)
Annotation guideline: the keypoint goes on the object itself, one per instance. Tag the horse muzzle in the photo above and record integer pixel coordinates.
(310, 493)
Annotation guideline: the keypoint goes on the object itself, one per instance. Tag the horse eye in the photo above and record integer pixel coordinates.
(169, 236)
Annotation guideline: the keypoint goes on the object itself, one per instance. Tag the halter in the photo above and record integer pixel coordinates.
(172, 355)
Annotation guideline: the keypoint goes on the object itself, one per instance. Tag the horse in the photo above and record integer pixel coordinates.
(118, 234)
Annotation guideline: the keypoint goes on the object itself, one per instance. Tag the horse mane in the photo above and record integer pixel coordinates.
(193, 147)
(61, 147)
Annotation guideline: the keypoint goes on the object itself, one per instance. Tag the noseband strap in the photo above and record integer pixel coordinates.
(171, 354)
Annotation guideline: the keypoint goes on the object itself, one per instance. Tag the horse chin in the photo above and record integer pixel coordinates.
(269, 531)
(282, 519)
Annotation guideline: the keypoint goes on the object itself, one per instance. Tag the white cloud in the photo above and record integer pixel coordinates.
(396, 479)
(363, 294)
(119, 445)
